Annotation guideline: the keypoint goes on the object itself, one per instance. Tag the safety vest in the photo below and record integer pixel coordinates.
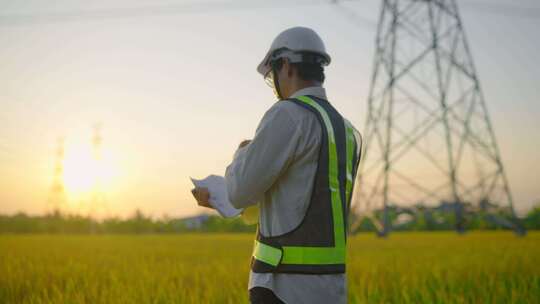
(318, 244)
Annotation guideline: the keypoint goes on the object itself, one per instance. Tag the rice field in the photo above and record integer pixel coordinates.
(434, 267)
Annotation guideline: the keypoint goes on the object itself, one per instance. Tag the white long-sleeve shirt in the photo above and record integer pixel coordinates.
(277, 170)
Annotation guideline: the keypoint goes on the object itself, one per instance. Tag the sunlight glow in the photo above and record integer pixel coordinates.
(86, 172)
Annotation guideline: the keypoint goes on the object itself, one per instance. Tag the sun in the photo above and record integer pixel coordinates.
(85, 171)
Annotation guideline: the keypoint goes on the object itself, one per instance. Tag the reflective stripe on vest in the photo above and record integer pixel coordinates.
(350, 158)
(301, 255)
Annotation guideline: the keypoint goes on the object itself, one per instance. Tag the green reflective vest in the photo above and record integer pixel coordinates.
(318, 244)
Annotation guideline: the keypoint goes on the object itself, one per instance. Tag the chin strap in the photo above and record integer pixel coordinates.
(277, 91)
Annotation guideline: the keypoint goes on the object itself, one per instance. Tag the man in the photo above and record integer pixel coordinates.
(300, 169)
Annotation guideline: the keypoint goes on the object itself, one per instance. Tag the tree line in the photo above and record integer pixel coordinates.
(139, 223)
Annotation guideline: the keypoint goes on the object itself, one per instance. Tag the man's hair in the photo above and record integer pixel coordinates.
(306, 71)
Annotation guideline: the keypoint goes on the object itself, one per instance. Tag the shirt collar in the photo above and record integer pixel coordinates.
(318, 92)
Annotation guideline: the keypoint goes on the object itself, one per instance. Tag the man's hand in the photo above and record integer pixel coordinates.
(244, 143)
(202, 196)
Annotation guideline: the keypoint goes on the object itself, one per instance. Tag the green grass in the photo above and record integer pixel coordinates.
(478, 267)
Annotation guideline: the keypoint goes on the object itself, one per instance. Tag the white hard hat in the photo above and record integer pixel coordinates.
(295, 40)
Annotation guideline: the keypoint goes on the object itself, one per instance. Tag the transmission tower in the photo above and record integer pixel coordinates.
(429, 138)
(57, 196)
(98, 204)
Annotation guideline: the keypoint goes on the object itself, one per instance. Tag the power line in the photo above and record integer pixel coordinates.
(209, 7)
(498, 8)
(502, 9)
(354, 17)
(150, 11)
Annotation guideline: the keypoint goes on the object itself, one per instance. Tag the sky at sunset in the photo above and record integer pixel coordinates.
(176, 92)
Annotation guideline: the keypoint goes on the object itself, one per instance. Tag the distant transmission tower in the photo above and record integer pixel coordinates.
(98, 204)
(57, 196)
(428, 135)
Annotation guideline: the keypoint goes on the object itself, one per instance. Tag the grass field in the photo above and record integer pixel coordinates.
(478, 267)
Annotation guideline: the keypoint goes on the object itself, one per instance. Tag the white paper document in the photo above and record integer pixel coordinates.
(219, 199)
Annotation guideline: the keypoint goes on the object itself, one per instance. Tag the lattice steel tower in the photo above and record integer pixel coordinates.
(98, 204)
(428, 135)
(57, 196)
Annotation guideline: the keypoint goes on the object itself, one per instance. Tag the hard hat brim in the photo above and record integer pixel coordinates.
(263, 68)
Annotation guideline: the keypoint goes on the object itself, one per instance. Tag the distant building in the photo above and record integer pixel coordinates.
(195, 222)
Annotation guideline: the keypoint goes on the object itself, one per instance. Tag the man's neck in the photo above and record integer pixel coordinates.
(303, 85)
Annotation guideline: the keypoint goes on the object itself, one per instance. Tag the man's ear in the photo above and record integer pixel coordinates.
(290, 72)
(286, 67)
